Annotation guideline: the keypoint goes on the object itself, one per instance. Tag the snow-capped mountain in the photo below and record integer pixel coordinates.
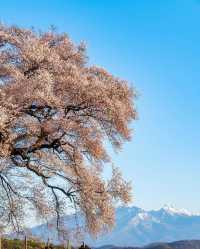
(138, 227)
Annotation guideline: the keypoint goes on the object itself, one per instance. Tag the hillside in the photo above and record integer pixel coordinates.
(185, 244)
(138, 227)
(19, 244)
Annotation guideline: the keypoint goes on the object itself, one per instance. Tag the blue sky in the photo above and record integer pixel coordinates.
(155, 45)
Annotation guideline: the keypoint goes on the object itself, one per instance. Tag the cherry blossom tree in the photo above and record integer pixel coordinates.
(56, 112)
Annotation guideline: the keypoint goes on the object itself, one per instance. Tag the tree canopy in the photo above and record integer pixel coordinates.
(56, 112)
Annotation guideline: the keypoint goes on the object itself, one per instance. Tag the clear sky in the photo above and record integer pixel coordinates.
(155, 45)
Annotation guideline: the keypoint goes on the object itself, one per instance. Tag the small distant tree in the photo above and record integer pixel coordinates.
(56, 112)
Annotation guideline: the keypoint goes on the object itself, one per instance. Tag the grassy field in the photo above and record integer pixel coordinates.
(31, 244)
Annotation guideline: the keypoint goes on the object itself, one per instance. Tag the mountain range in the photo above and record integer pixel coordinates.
(183, 244)
(138, 227)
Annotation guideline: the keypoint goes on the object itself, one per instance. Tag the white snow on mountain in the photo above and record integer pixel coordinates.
(173, 211)
(136, 227)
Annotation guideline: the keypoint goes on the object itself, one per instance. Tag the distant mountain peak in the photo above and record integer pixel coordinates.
(172, 210)
(136, 226)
